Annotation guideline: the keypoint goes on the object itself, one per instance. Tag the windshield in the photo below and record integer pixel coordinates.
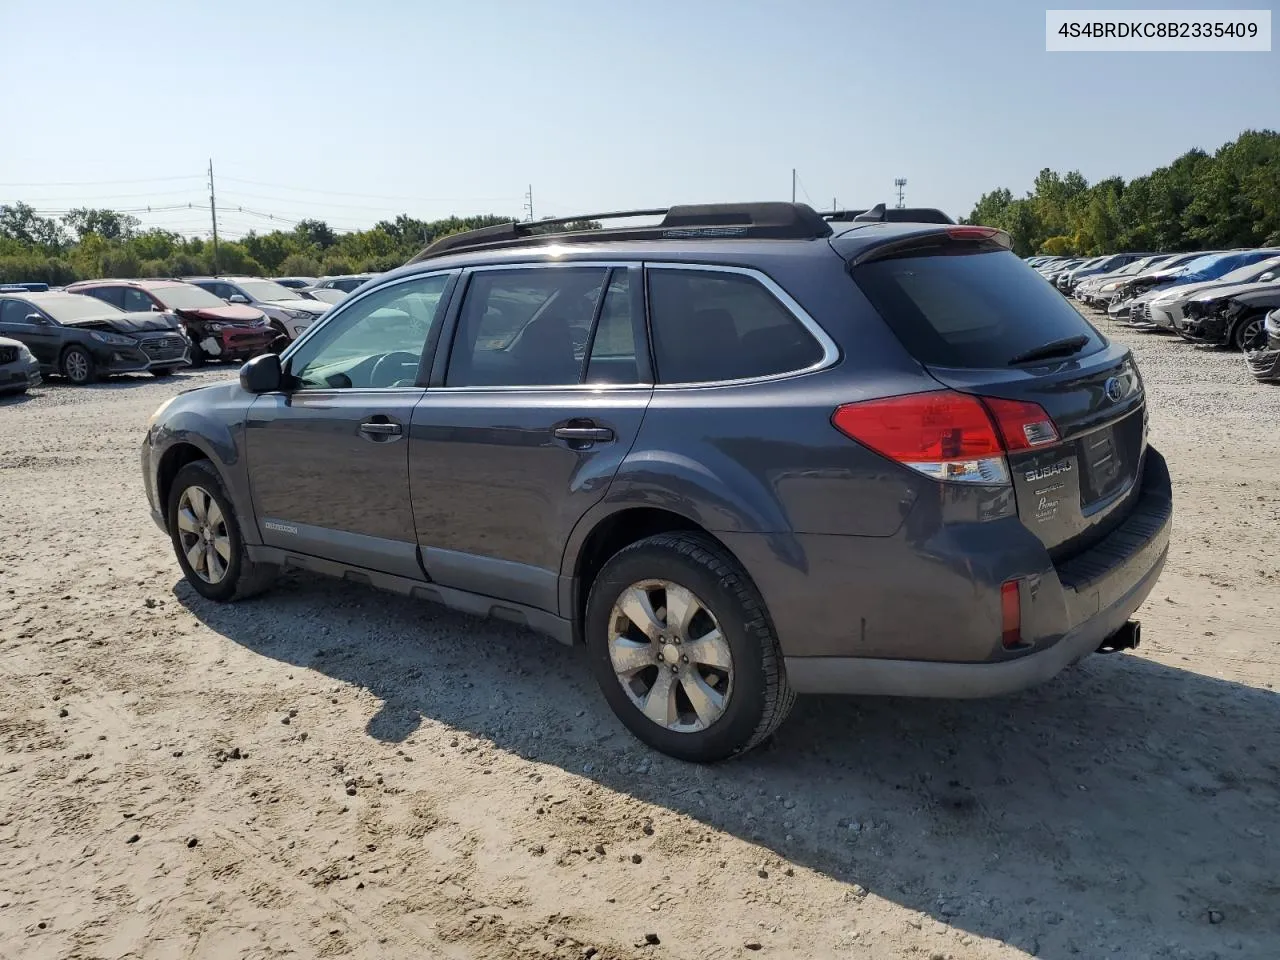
(266, 290)
(970, 309)
(72, 306)
(185, 297)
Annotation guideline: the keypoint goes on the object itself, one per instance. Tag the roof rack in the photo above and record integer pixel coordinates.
(880, 214)
(777, 221)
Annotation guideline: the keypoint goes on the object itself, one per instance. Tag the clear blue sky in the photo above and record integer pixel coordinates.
(354, 112)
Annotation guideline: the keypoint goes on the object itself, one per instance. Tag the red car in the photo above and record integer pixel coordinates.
(218, 330)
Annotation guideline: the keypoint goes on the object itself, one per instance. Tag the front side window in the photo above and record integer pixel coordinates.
(375, 342)
(14, 311)
(526, 327)
(712, 326)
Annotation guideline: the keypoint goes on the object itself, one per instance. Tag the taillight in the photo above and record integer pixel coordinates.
(1010, 615)
(947, 435)
(1023, 425)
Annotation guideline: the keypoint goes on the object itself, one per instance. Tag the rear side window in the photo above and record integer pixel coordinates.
(526, 327)
(711, 326)
(111, 295)
(970, 309)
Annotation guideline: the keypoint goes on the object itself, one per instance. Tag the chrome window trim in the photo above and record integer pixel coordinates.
(830, 352)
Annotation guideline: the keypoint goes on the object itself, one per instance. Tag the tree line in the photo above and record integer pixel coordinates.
(91, 243)
(1199, 202)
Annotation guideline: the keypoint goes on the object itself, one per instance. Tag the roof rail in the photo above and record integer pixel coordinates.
(879, 214)
(771, 220)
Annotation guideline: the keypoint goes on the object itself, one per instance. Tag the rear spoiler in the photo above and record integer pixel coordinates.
(926, 241)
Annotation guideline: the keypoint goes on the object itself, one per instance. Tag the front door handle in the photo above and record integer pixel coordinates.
(376, 430)
(583, 434)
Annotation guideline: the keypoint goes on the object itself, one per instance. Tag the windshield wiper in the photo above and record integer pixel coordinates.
(1054, 348)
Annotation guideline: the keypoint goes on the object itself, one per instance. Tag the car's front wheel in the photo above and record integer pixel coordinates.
(207, 540)
(684, 650)
(78, 365)
(1249, 333)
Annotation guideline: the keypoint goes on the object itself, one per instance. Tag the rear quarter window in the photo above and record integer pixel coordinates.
(711, 326)
(970, 309)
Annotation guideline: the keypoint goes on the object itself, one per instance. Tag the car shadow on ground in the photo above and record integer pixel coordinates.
(1126, 806)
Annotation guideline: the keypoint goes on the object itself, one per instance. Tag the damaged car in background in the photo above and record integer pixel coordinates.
(1233, 317)
(1264, 363)
(217, 330)
(1120, 297)
(1166, 309)
(1205, 268)
(84, 339)
(1097, 290)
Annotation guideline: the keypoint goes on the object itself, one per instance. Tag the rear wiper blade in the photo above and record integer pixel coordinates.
(1055, 348)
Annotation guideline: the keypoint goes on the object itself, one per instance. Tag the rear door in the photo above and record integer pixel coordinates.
(976, 317)
(328, 457)
(538, 401)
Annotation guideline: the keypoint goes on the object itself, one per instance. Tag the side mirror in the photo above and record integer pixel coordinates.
(155, 308)
(1267, 277)
(237, 298)
(37, 319)
(262, 374)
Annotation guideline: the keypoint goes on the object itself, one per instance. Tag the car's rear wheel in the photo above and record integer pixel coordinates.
(207, 540)
(78, 365)
(684, 650)
(197, 356)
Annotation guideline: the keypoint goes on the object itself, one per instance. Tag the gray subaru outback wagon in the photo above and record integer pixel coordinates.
(747, 452)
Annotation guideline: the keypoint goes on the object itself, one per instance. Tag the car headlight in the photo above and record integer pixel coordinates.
(151, 421)
(114, 339)
(215, 327)
(297, 314)
(23, 352)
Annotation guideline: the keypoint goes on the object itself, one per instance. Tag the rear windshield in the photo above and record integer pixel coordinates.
(970, 309)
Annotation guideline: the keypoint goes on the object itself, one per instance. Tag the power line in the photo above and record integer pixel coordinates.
(98, 183)
(374, 196)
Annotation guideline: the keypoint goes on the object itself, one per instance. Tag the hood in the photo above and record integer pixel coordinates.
(1186, 291)
(231, 313)
(306, 306)
(127, 323)
(1261, 295)
(1215, 291)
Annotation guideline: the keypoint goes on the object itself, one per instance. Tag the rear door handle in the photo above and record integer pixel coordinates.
(377, 431)
(583, 434)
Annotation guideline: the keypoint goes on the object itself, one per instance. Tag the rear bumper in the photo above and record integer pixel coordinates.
(921, 617)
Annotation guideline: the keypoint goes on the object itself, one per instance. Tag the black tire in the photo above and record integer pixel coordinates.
(78, 365)
(197, 356)
(759, 699)
(1249, 329)
(244, 578)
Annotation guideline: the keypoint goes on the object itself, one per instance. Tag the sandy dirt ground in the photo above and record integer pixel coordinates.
(327, 771)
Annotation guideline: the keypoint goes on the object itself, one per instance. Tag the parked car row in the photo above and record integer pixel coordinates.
(1228, 298)
(96, 328)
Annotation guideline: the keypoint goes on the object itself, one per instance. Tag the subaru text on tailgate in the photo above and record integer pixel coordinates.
(749, 452)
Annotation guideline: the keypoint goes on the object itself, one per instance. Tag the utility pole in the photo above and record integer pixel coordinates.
(834, 208)
(793, 184)
(213, 213)
(528, 203)
(901, 183)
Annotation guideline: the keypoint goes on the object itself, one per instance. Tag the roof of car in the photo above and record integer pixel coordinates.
(149, 283)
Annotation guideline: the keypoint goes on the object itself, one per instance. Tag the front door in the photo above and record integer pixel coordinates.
(328, 457)
(541, 400)
(40, 335)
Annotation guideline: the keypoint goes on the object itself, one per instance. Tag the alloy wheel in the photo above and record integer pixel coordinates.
(670, 656)
(77, 366)
(202, 532)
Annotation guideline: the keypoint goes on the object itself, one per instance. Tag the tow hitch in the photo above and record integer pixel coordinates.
(1126, 638)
